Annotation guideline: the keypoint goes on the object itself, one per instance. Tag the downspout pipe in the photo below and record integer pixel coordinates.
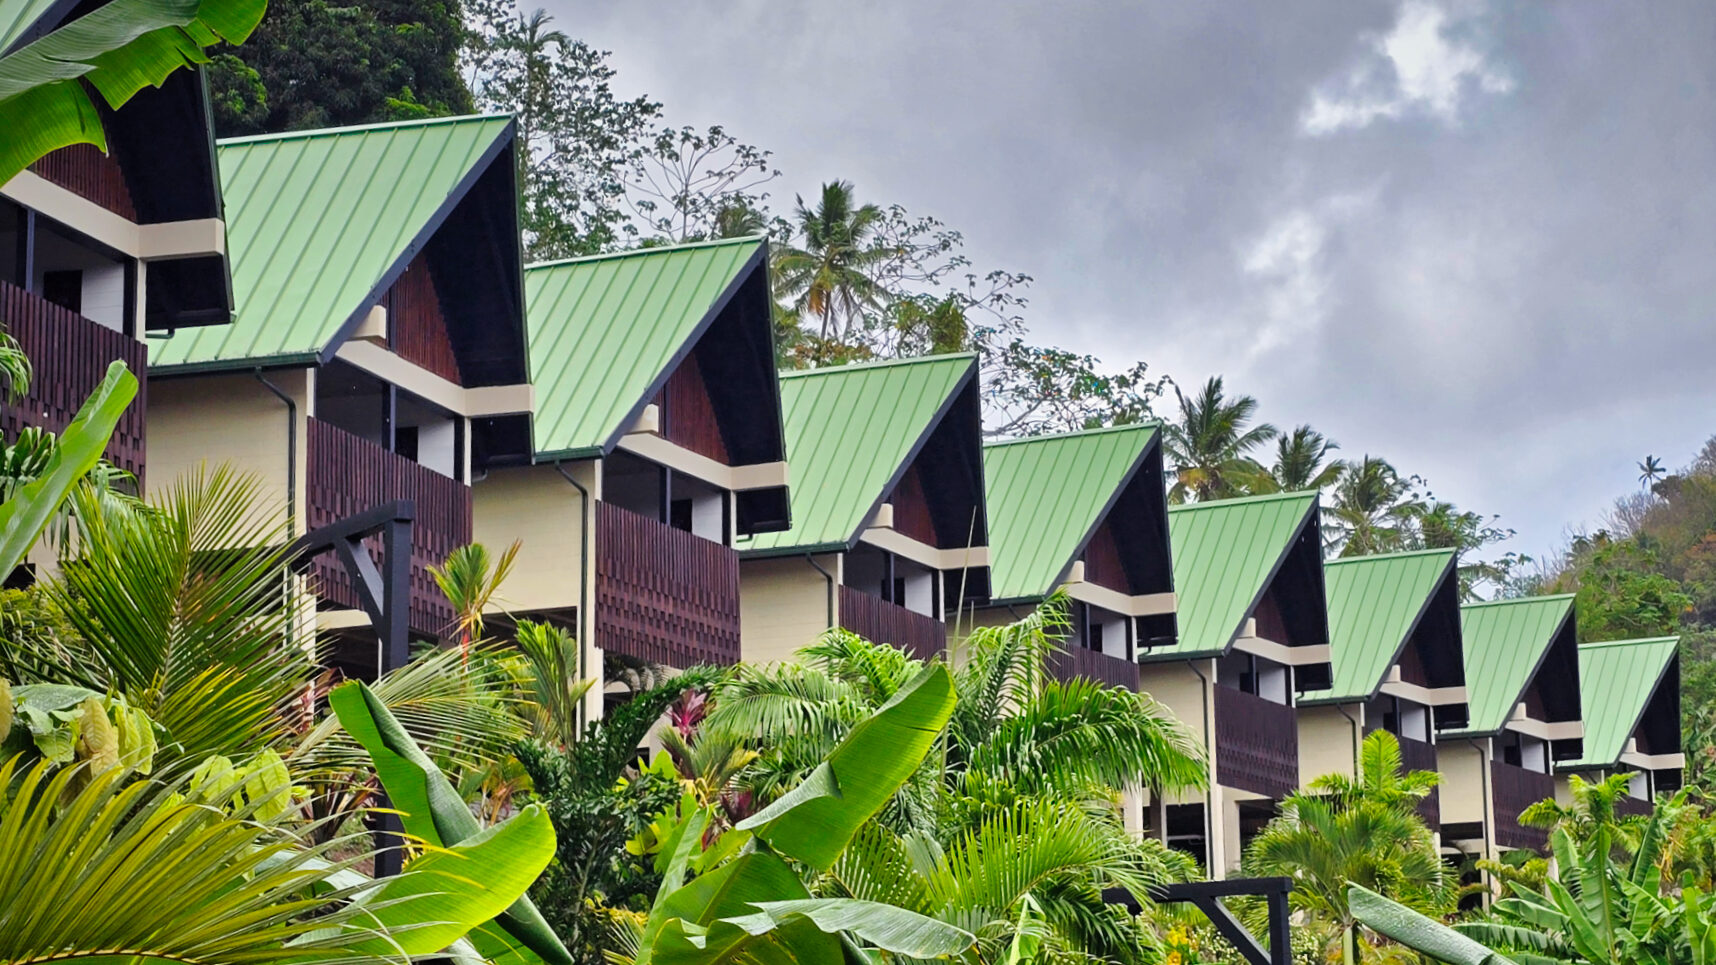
(584, 616)
(291, 450)
(1209, 748)
(1358, 739)
(811, 558)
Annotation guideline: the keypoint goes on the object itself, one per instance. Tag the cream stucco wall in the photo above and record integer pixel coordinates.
(1179, 688)
(783, 605)
(1327, 740)
(1465, 796)
(538, 508)
(208, 420)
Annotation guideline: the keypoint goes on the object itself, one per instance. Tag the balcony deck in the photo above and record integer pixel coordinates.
(1514, 789)
(1256, 743)
(1416, 755)
(70, 355)
(349, 474)
(1077, 661)
(663, 594)
(879, 621)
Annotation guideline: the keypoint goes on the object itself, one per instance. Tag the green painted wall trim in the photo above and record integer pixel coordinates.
(851, 433)
(1375, 603)
(1225, 553)
(1046, 497)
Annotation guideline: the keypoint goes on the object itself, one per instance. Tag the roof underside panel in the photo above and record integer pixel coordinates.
(1616, 681)
(1224, 554)
(1374, 602)
(605, 329)
(1045, 495)
(850, 430)
(1504, 643)
(316, 220)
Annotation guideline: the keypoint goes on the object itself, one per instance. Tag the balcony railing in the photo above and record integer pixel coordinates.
(349, 474)
(1257, 743)
(1628, 806)
(1416, 755)
(879, 621)
(70, 354)
(1079, 661)
(1514, 789)
(663, 594)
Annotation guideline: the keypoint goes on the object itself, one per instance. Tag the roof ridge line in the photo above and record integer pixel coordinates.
(1518, 599)
(652, 250)
(315, 132)
(1400, 554)
(1155, 424)
(880, 364)
(1635, 642)
(1243, 500)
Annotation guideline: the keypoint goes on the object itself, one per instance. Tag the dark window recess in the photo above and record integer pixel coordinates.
(186, 293)
(1569, 749)
(897, 591)
(64, 288)
(405, 441)
(1093, 636)
(1313, 676)
(1451, 716)
(1510, 754)
(679, 515)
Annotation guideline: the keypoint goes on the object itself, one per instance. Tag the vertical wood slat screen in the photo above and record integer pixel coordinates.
(663, 594)
(70, 355)
(349, 474)
(417, 331)
(1514, 790)
(688, 413)
(879, 621)
(91, 175)
(1094, 665)
(1257, 743)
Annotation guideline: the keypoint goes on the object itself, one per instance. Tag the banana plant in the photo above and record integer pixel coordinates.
(117, 49)
(756, 907)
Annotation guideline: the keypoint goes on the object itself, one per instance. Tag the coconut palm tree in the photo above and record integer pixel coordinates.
(1211, 442)
(1374, 509)
(829, 273)
(1650, 470)
(1302, 462)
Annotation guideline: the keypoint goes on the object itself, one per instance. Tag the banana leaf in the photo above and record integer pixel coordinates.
(1418, 932)
(431, 809)
(116, 49)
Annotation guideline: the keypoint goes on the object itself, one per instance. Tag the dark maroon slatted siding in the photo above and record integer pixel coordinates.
(911, 509)
(1102, 564)
(1418, 755)
(70, 355)
(1257, 743)
(417, 331)
(348, 475)
(1515, 789)
(688, 413)
(86, 172)
(879, 621)
(1094, 664)
(662, 594)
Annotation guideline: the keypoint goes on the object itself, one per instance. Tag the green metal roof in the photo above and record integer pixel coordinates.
(1505, 642)
(320, 223)
(1616, 681)
(605, 330)
(1046, 495)
(1375, 603)
(1225, 554)
(851, 431)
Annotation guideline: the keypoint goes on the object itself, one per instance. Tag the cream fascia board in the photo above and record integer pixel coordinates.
(1651, 762)
(762, 475)
(1542, 729)
(152, 242)
(1280, 652)
(1125, 604)
(892, 541)
(1429, 696)
(471, 403)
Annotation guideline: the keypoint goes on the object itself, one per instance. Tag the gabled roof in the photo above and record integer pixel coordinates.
(1047, 495)
(606, 331)
(320, 224)
(851, 433)
(1375, 603)
(1505, 643)
(1226, 552)
(1616, 682)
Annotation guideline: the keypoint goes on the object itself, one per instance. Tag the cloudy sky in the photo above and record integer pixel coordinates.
(1478, 239)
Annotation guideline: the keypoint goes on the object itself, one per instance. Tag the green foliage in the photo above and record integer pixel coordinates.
(62, 724)
(114, 50)
(332, 63)
(1209, 445)
(1622, 593)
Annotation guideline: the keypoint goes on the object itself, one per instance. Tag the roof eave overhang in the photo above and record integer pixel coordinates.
(776, 552)
(291, 360)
